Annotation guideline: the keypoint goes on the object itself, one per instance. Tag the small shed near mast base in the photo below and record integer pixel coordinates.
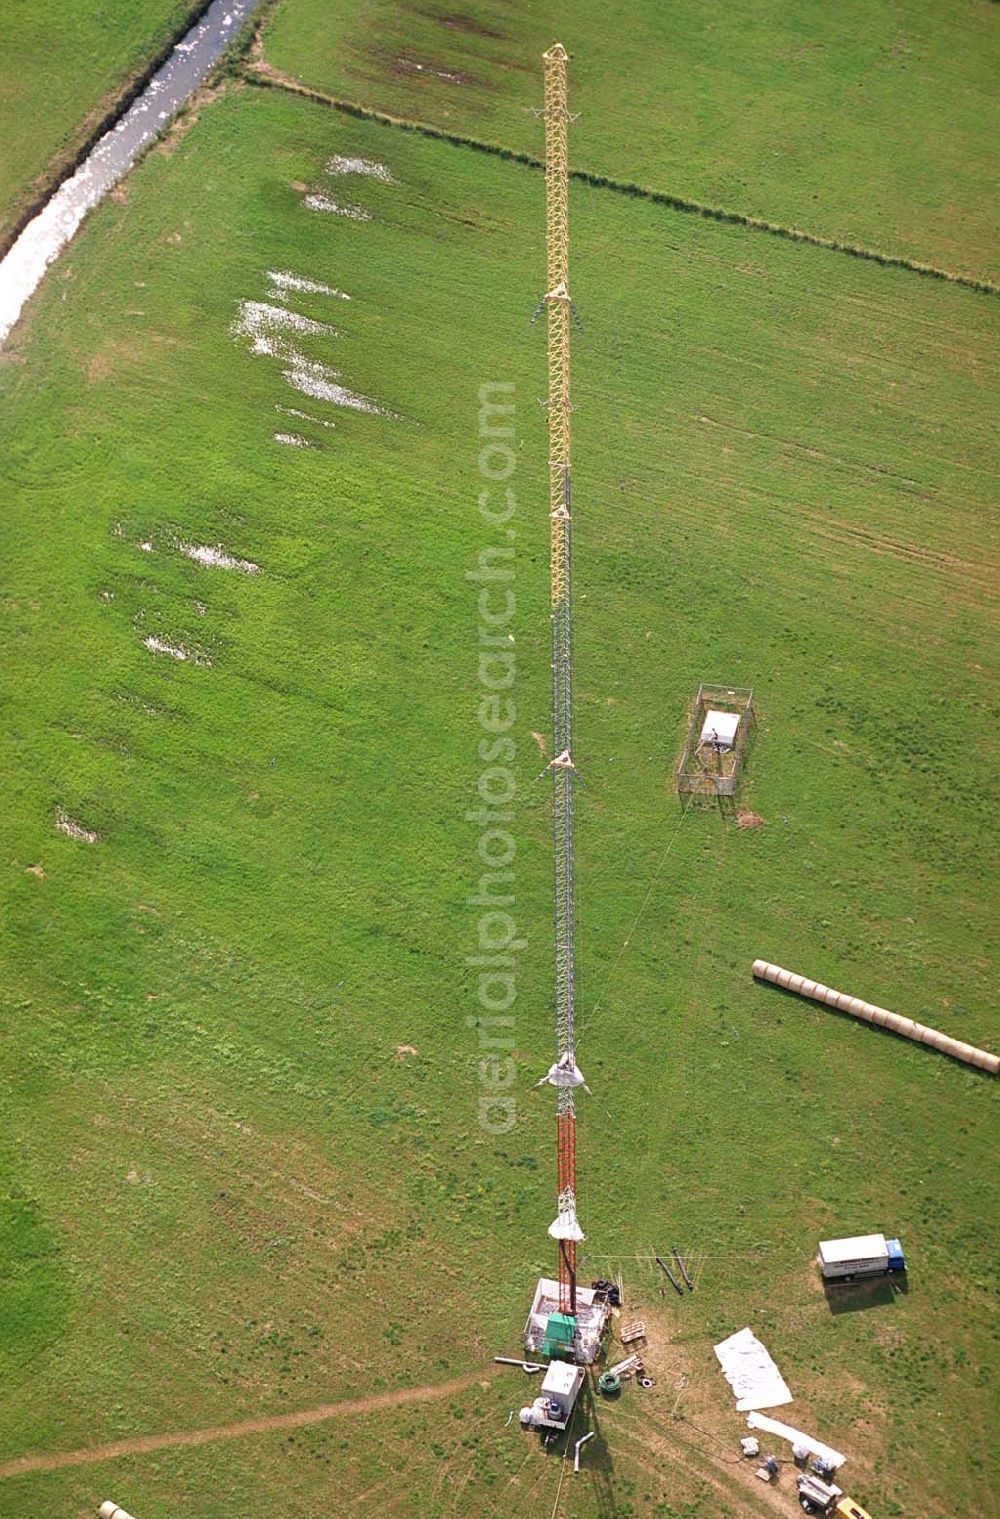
(720, 729)
(716, 741)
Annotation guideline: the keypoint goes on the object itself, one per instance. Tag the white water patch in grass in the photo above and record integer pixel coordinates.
(293, 440)
(303, 416)
(428, 68)
(176, 651)
(272, 348)
(282, 280)
(217, 558)
(160, 646)
(259, 321)
(267, 325)
(320, 381)
(131, 700)
(368, 166)
(75, 830)
(324, 203)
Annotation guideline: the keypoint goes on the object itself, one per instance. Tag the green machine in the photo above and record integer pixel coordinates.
(560, 1335)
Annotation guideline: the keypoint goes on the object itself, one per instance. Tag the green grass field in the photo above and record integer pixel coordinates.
(874, 125)
(232, 1191)
(61, 69)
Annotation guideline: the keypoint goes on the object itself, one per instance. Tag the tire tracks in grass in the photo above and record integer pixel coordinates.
(265, 76)
(140, 1445)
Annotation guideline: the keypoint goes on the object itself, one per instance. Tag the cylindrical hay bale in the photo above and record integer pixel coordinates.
(869, 1013)
(110, 1510)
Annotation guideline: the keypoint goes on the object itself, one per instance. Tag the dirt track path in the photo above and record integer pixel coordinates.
(142, 1444)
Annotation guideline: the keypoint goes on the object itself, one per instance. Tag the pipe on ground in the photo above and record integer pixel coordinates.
(110, 1510)
(869, 1013)
(576, 1450)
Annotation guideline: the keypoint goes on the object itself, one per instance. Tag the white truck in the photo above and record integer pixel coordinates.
(841, 1260)
(553, 1407)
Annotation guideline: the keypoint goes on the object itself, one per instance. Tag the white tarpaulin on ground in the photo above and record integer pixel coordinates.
(796, 1437)
(751, 1373)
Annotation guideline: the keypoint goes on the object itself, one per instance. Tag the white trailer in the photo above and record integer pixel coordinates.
(553, 1408)
(862, 1255)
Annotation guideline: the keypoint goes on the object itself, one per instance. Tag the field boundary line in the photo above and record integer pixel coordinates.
(265, 76)
(133, 1445)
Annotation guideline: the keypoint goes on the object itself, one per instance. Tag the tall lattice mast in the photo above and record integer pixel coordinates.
(564, 1075)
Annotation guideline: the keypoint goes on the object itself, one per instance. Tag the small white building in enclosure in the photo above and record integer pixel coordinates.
(716, 742)
(719, 729)
(591, 1317)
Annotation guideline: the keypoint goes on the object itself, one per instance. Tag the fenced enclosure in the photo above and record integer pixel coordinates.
(710, 765)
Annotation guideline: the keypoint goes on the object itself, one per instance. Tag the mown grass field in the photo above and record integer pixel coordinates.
(870, 124)
(230, 1195)
(61, 69)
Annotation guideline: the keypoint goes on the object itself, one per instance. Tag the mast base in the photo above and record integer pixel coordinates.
(588, 1324)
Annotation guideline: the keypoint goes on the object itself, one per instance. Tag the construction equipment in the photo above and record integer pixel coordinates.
(684, 1270)
(626, 1367)
(830, 1460)
(629, 1333)
(825, 1498)
(848, 1509)
(611, 1292)
(576, 1449)
(610, 1381)
(553, 1408)
(675, 1284)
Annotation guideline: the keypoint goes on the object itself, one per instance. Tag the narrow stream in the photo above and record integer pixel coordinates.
(44, 238)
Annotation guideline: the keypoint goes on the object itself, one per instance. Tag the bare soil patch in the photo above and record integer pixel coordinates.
(458, 23)
(144, 1444)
